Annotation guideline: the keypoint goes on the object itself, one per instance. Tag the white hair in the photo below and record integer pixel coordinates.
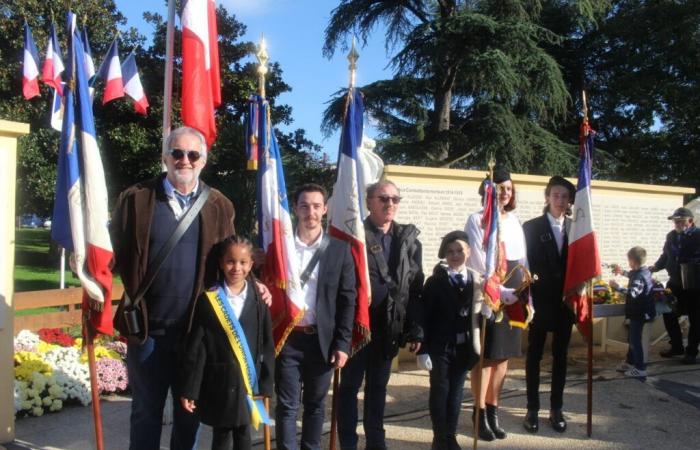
(182, 131)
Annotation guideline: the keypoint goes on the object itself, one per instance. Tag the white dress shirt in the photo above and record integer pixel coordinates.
(557, 229)
(172, 200)
(236, 301)
(304, 255)
(512, 237)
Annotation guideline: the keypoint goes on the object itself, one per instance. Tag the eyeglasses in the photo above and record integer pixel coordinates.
(192, 155)
(387, 198)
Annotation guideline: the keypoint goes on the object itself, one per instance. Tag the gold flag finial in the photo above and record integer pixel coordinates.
(353, 56)
(263, 58)
(585, 106)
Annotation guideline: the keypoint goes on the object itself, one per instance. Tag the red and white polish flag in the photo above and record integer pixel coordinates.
(201, 83)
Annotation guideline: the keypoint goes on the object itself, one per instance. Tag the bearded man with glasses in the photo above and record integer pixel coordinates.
(394, 258)
(143, 220)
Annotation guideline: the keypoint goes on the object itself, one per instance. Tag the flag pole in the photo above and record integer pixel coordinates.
(94, 388)
(353, 56)
(477, 400)
(589, 306)
(263, 57)
(168, 80)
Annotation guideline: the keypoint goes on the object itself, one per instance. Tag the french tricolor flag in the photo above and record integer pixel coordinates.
(132, 84)
(30, 66)
(111, 72)
(583, 259)
(347, 210)
(53, 64)
(80, 209)
(281, 272)
(201, 83)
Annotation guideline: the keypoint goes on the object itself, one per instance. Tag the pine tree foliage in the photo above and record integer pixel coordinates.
(471, 79)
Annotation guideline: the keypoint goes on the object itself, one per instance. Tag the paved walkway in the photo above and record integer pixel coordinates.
(661, 413)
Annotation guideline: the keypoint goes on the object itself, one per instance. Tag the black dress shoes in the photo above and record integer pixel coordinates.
(485, 433)
(556, 418)
(531, 422)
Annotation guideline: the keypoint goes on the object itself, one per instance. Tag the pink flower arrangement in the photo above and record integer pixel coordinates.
(112, 375)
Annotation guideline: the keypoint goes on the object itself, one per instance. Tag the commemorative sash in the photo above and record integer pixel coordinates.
(239, 346)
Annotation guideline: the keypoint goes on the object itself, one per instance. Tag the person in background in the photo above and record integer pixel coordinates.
(394, 259)
(453, 303)
(503, 341)
(682, 246)
(320, 342)
(547, 245)
(639, 310)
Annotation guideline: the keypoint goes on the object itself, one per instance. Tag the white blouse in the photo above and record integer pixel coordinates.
(511, 235)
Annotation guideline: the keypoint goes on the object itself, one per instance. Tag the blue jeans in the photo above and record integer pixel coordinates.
(446, 391)
(635, 352)
(152, 371)
(370, 364)
(300, 362)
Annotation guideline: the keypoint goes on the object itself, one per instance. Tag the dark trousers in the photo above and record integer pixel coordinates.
(447, 390)
(370, 364)
(635, 352)
(693, 309)
(560, 346)
(237, 438)
(152, 368)
(300, 366)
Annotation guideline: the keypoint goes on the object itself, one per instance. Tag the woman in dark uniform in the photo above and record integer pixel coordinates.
(502, 339)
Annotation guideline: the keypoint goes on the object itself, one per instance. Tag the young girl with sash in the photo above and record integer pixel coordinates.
(228, 357)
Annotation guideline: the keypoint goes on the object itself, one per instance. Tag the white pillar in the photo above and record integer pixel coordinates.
(9, 132)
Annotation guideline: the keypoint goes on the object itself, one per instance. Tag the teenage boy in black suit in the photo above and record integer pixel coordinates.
(546, 253)
(321, 340)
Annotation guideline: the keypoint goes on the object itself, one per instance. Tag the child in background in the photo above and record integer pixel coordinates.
(639, 309)
(230, 333)
(453, 302)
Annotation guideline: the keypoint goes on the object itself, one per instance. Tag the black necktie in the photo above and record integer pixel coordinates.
(459, 280)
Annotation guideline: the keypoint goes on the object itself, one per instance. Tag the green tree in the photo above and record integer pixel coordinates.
(131, 144)
(471, 78)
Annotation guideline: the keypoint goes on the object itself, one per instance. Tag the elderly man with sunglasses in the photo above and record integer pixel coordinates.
(394, 258)
(143, 220)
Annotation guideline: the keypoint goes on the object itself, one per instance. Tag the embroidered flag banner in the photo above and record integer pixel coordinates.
(281, 272)
(346, 212)
(583, 258)
(80, 214)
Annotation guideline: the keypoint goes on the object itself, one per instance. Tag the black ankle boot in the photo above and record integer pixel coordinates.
(485, 432)
(492, 418)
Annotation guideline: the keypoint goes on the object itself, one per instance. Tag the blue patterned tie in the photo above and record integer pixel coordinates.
(183, 199)
(459, 280)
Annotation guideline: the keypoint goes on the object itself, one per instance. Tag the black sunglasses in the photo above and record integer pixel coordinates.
(386, 199)
(192, 155)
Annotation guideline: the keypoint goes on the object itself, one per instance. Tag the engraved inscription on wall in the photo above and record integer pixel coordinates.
(621, 221)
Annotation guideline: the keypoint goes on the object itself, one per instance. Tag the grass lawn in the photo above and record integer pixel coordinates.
(36, 264)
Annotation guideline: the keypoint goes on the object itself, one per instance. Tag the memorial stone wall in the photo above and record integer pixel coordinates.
(438, 201)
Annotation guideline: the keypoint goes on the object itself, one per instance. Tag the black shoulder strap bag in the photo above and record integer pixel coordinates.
(132, 316)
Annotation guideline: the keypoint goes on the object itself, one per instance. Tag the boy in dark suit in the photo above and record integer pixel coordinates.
(320, 341)
(546, 253)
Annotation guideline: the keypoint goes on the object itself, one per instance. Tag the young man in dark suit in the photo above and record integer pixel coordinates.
(320, 342)
(546, 253)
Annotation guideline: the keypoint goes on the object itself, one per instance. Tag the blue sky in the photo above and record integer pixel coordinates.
(293, 30)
